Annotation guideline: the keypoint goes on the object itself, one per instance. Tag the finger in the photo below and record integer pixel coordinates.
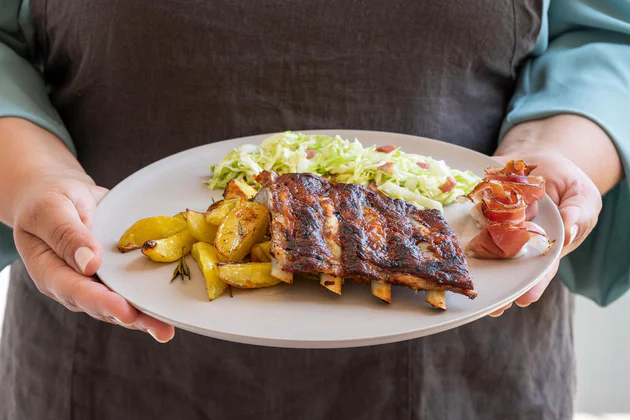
(500, 311)
(96, 299)
(579, 208)
(54, 278)
(533, 294)
(55, 219)
(86, 205)
(99, 193)
(79, 293)
(571, 219)
(115, 309)
(159, 330)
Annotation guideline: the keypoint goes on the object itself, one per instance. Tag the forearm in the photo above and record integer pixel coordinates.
(577, 138)
(29, 153)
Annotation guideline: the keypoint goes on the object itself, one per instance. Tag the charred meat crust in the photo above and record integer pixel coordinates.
(379, 238)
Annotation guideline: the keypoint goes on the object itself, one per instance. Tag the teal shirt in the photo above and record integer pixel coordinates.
(581, 65)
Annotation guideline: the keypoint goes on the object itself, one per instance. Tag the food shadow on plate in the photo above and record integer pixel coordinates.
(192, 288)
(195, 287)
(310, 292)
(142, 263)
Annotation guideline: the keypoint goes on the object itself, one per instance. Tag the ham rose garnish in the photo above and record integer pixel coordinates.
(494, 203)
(516, 177)
(503, 202)
(503, 240)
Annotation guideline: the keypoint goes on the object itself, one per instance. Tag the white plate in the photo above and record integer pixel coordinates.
(304, 314)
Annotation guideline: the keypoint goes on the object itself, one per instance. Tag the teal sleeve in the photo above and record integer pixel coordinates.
(22, 90)
(585, 70)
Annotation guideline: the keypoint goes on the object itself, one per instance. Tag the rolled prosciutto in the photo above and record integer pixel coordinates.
(515, 176)
(494, 203)
(504, 202)
(503, 240)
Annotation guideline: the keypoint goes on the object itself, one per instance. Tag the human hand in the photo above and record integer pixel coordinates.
(53, 214)
(578, 200)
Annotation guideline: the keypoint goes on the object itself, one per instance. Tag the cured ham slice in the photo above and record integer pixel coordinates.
(504, 201)
(514, 169)
(503, 240)
(494, 203)
(448, 185)
(515, 176)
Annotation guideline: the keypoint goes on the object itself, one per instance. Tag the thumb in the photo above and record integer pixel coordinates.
(63, 221)
(577, 218)
(86, 207)
(570, 220)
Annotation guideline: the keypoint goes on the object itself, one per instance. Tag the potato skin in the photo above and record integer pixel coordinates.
(169, 249)
(238, 189)
(261, 252)
(247, 275)
(206, 258)
(218, 211)
(200, 228)
(151, 228)
(244, 227)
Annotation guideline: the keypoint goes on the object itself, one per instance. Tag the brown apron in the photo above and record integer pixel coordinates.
(137, 80)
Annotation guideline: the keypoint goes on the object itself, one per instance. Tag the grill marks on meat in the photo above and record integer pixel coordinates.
(331, 235)
(345, 230)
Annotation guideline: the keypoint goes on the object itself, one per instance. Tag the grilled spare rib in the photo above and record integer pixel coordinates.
(347, 231)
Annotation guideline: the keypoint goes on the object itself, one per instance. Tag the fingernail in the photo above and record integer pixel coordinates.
(122, 323)
(574, 232)
(82, 257)
(154, 335)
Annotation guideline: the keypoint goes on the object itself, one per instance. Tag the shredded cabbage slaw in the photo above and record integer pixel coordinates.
(410, 177)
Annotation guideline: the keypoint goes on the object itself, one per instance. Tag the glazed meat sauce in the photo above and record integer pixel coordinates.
(347, 231)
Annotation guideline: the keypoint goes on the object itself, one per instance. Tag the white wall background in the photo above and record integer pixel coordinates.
(602, 338)
(4, 283)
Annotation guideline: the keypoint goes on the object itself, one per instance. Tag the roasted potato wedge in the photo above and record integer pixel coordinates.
(200, 228)
(149, 229)
(261, 252)
(238, 189)
(218, 211)
(181, 216)
(241, 229)
(207, 260)
(247, 275)
(169, 249)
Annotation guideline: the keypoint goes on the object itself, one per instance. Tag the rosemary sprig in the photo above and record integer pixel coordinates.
(240, 228)
(182, 270)
(230, 289)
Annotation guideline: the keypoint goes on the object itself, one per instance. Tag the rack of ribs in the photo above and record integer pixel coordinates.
(345, 231)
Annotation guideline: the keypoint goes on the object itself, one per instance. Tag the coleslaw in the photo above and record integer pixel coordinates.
(419, 180)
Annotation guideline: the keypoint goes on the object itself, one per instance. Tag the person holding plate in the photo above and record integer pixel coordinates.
(92, 91)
